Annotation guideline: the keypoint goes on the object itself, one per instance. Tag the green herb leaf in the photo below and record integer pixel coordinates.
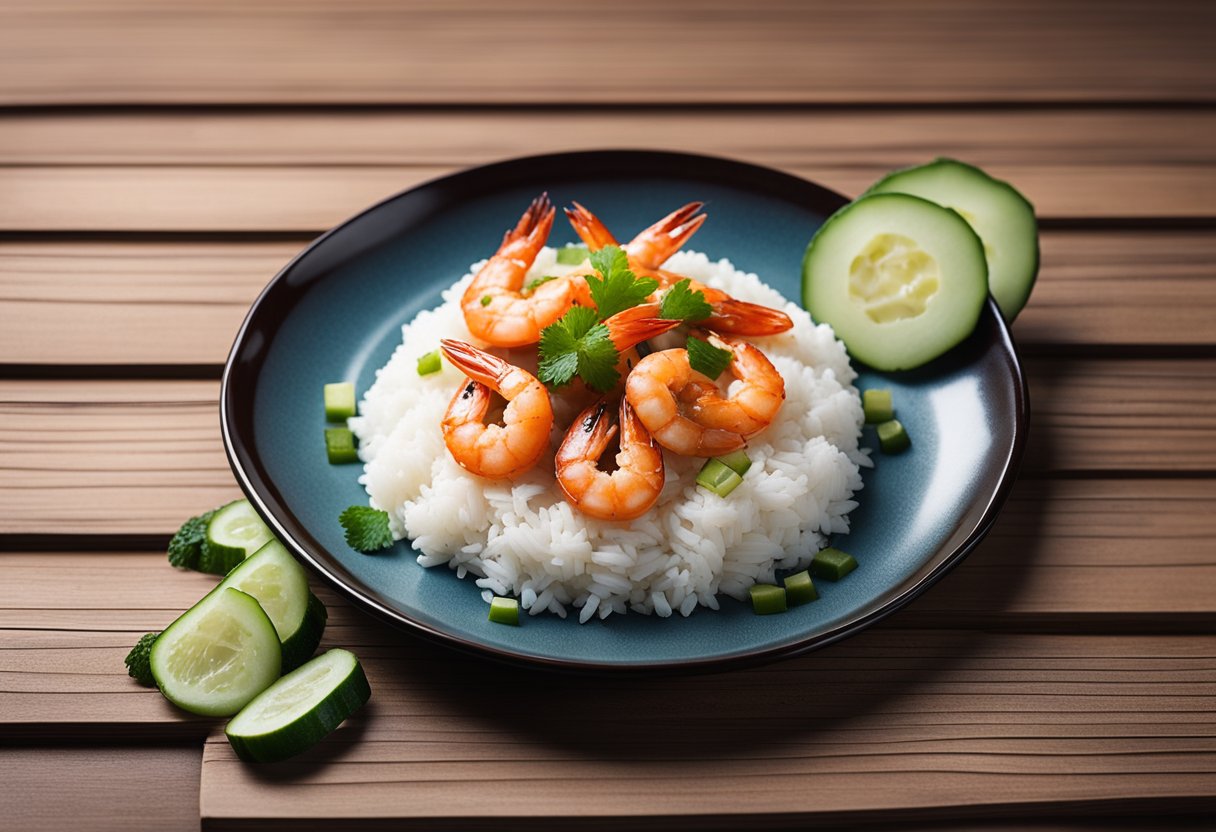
(578, 344)
(187, 545)
(533, 284)
(707, 359)
(617, 288)
(366, 528)
(139, 662)
(680, 302)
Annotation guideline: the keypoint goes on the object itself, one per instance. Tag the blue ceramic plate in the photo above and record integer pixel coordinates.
(335, 313)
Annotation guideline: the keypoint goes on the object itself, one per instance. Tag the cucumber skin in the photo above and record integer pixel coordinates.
(310, 728)
(806, 301)
(299, 648)
(878, 186)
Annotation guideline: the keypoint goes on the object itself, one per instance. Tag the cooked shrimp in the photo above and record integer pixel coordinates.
(625, 493)
(495, 308)
(687, 413)
(651, 248)
(495, 451)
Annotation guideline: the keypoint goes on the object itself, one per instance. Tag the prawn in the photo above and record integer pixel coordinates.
(687, 413)
(495, 308)
(651, 248)
(625, 493)
(495, 451)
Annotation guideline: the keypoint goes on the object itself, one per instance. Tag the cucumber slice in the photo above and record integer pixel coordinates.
(296, 712)
(218, 655)
(1000, 215)
(899, 278)
(280, 585)
(234, 533)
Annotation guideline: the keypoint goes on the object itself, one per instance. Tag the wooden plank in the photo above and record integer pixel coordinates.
(153, 788)
(425, 51)
(887, 722)
(181, 303)
(138, 457)
(308, 200)
(1064, 554)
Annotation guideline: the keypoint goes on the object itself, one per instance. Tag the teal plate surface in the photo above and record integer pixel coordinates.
(335, 313)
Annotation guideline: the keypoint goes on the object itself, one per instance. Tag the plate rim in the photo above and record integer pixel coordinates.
(786, 184)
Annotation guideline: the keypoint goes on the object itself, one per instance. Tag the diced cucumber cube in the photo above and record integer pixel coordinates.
(892, 438)
(718, 478)
(340, 446)
(800, 589)
(832, 564)
(504, 611)
(878, 406)
(767, 599)
(430, 363)
(339, 401)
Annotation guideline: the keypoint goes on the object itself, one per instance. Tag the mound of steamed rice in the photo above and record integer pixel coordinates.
(521, 537)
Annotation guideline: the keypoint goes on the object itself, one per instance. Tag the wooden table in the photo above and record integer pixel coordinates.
(159, 162)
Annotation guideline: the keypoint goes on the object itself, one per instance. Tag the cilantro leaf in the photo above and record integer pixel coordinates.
(366, 528)
(680, 302)
(578, 344)
(617, 287)
(707, 359)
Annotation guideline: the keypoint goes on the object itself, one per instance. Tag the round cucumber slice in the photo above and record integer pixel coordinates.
(296, 712)
(899, 278)
(280, 585)
(218, 655)
(1000, 215)
(234, 533)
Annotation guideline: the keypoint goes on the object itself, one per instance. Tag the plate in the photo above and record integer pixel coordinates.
(335, 312)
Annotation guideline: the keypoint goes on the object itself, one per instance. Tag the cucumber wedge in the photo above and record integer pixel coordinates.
(1000, 215)
(280, 585)
(899, 278)
(296, 712)
(234, 533)
(218, 655)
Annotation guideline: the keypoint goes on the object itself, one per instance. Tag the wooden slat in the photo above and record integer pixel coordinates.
(1071, 555)
(886, 722)
(70, 52)
(1104, 163)
(152, 788)
(181, 303)
(137, 457)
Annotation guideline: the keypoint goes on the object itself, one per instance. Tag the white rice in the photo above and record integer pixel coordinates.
(522, 538)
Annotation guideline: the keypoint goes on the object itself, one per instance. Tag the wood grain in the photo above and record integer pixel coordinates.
(142, 789)
(70, 52)
(181, 303)
(1006, 725)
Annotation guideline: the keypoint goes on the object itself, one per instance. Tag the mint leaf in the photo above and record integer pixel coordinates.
(578, 345)
(681, 303)
(616, 288)
(707, 359)
(366, 528)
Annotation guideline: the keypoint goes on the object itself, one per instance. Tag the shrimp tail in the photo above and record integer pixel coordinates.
(632, 326)
(658, 242)
(589, 228)
(479, 365)
(529, 234)
(589, 435)
(739, 317)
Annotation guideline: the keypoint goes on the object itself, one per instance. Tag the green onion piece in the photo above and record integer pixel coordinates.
(572, 255)
(339, 401)
(429, 363)
(504, 611)
(486, 300)
(800, 589)
(767, 599)
(892, 437)
(340, 446)
(718, 478)
(832, 564)
(738, 461)
(877, 406)
(538, 281)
